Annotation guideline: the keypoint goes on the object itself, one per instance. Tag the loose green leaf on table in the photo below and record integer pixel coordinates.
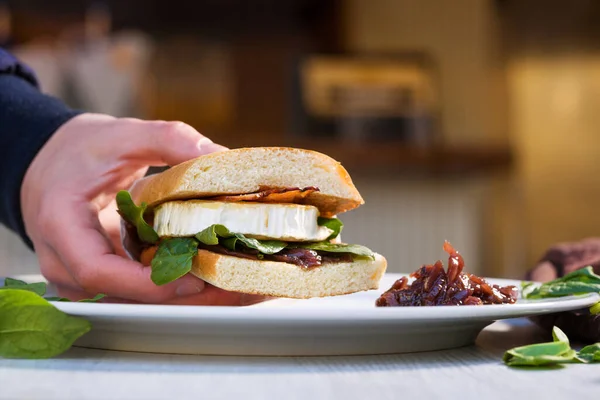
(38, 287)
(173, 259)
(590, 353)
(30, 327)
(558, 351)
(542, 354)
(135, 216)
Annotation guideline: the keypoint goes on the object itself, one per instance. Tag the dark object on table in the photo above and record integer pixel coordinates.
(558, 261)
(433, 287)
(578, 325)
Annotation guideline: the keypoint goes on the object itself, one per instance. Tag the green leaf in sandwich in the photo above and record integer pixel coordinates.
(135, 216)
(212, 234)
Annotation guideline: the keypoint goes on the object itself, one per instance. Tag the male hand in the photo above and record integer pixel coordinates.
(69, 210)
(563, 258)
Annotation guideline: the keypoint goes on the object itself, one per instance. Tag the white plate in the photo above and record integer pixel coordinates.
(344, 325)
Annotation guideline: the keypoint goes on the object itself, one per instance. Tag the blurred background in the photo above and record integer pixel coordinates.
(473, 121)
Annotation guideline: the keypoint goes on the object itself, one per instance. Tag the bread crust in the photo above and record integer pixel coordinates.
(248, 170)
(280, 279)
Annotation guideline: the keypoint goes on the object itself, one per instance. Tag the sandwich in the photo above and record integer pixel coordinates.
(260, 220)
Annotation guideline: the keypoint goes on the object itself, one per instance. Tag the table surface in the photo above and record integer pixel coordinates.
(474, 371)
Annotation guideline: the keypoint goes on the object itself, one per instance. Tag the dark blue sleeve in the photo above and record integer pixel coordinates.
(28, 118)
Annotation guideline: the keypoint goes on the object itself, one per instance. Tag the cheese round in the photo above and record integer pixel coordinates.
(287, 222)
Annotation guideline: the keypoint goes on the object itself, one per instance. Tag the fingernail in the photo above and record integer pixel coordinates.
(207, 146)
(188, 289)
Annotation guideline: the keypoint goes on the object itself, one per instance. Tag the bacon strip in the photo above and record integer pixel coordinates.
(287, 195)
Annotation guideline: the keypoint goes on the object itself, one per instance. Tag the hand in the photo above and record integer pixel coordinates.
(69, 211)
(562, 258)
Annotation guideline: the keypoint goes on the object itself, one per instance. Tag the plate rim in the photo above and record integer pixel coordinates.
(281, 314)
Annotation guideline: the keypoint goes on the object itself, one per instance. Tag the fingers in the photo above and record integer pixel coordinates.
(87, 267)
(165, 143)
(111, 223)
(52, 267)
(87, 254)
(543, 272)
(211, 296)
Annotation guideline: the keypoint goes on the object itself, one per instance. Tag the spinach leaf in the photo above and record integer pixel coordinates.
(332, 223)
(210, 236)
(590, 353)
(542, 354)
(37, 288)
(56, 298)
(173, 259)
(94, 299)
(30, 327)
(583, 274)
(565, 288)
(13, 282)
(135, 216)
(558, 351)
(580, 281)
(355, 249)
(264, 246)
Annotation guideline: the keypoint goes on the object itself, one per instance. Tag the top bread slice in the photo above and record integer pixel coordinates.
(248, 170)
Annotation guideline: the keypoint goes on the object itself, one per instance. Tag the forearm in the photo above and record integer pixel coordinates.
(28, 119)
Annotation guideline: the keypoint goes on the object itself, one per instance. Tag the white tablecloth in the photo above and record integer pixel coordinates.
(475, 372)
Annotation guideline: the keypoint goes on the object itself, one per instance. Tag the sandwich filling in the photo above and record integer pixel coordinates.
(288, 222)
(261, 226)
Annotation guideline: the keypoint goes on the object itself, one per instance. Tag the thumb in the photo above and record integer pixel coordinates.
(166, 143)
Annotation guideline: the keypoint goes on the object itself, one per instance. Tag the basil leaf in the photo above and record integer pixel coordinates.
(355, 249)
(563, 288)
(541, 354)
(527, 288)
(135, 216)
(331, 223)
(559, 336)
(583, 274)
(13, 282)
(173, 259)
(30, 327)
(37, 288)
(94, 299)
(264, 246)
(210, 236)
(514, 359)
(590, 353)
(56, 298)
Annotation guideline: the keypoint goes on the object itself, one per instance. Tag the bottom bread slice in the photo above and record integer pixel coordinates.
(280, 279)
